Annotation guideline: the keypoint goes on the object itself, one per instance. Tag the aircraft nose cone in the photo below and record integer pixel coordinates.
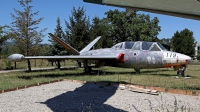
(189, 59)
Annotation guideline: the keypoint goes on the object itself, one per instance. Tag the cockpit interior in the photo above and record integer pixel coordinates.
(140, 45)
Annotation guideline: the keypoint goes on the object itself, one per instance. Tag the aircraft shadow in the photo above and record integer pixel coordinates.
(52, 69)
(88, 97)
(134, 73)
(94, 72)
(50, 75)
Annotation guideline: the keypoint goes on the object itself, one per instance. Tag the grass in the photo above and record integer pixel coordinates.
(148, 77)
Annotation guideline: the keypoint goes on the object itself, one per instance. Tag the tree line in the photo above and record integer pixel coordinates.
(79, 31)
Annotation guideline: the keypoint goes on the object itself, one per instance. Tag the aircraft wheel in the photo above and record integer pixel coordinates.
(137, 71)
(180, 73)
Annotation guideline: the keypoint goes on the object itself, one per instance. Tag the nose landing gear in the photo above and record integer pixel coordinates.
(137, 70)
(181, 72)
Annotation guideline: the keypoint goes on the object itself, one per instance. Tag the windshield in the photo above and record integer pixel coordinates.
(152, 46)
(162, 47)
(155, 47)
(118, 46)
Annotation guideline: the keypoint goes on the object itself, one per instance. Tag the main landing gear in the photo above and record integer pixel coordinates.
(87, 69)
(137, 71)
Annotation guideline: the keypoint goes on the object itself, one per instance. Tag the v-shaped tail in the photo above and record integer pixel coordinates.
(73, 50)
(65, 45)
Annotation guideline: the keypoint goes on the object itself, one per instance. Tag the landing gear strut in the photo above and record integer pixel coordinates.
(87, 69)
(79, 64)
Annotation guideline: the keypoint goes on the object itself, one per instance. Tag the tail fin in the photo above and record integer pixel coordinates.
(73, 50)
(88, 47)
(65, 45)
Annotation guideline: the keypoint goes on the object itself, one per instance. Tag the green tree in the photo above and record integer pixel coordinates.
(24, 29)
(183, 42)
(2, 37)
(77, 30)
(165, 42)
(56, 48)
(101, 27)
(5, 46)
(45, 49)
(118, 21)
(136, 27)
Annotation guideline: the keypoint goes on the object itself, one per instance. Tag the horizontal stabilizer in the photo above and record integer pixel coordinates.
(65, 45)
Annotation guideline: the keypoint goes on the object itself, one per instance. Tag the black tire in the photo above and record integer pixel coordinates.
(180, 73)
(88, 70)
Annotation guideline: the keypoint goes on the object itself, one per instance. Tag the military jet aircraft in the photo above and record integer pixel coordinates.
(131, 54)
(179, 8)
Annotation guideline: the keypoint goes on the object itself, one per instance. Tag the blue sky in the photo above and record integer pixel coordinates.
(51, 9)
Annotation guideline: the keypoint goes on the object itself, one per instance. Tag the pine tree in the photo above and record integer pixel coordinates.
(77, 30)
(56, 48)
(26, 38)
(101, 27)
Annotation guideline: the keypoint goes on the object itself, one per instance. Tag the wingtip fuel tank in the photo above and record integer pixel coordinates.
(15, 57)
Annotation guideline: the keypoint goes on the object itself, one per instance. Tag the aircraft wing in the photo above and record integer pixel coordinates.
(180, 8)
(19, 57)
(71, 57)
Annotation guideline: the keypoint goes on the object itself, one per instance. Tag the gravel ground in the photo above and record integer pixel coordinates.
(75, 97)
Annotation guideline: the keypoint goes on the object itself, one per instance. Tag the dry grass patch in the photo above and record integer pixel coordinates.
(149, 77)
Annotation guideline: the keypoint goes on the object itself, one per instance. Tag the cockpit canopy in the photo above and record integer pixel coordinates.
(140, 45)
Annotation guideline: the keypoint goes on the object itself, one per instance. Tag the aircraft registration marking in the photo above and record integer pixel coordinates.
(169, 55)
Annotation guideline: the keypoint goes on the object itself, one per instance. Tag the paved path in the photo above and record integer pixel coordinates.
(77, 97)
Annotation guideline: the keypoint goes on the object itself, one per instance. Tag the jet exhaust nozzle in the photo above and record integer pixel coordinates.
(15, 57)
